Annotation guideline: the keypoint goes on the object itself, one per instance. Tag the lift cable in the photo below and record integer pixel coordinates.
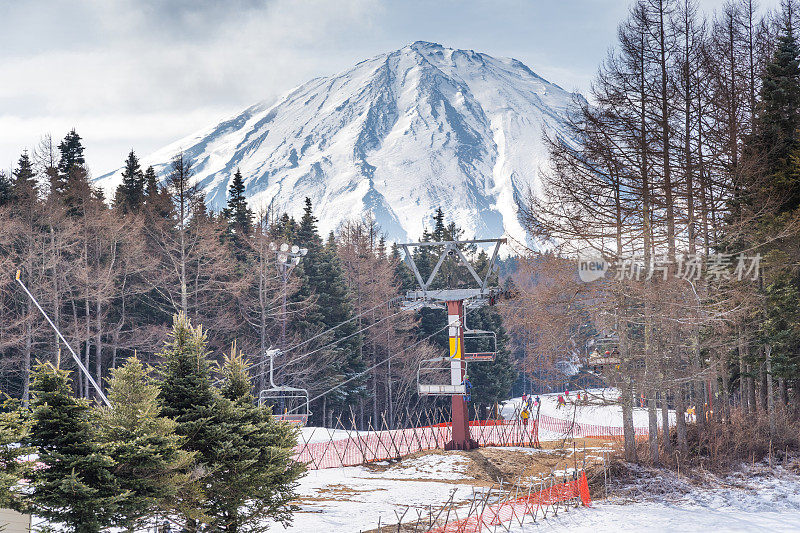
(332, 343)
(387, 302)
(74, 355)
(376, 365)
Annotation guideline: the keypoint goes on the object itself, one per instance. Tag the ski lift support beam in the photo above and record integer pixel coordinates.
(451, 248)
(74, 355)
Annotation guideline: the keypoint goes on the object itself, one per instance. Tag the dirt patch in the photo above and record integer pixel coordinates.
(489, 466)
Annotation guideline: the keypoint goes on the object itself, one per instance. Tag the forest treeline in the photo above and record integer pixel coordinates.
(684, 174)
(112, 273)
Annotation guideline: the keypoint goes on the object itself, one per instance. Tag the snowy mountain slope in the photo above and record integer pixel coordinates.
(397, 135)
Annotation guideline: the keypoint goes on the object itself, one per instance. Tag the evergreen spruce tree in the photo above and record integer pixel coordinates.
(336, 306)
(14, 466)
(6, 189)
(324, 284)
(775, 185)
(75, 486)
(150, 464)
(401, 270)
(777, 126)
(157, 202)
(237, 214)
(70, 162)
(190, 399)
(25, 186)
(72, 184)
(256, 474)
(129, 195)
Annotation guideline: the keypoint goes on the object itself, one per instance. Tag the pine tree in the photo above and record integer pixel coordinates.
(70, 162)
(256, 474)
(323, 283)
(157, 202)
(6, 189)
(14, 466)
(238, 215)
(150, 464)
(75, 485)
(25, 186)
(777, 125)
(190, 399)
(337, 308)
(129, 195)
(72, 185)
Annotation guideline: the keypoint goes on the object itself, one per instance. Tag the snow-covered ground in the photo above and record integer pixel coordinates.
(748, 501)
(354, 498)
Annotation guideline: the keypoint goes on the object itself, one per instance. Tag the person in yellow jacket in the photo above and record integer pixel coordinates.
(524, 415)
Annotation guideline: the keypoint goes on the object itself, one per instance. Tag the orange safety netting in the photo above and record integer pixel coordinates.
(366, 447)
(530, 504)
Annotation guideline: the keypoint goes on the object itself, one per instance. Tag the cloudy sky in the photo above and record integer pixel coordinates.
(142, 73)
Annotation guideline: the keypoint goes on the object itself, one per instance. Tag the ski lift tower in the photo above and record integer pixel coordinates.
(456, 302)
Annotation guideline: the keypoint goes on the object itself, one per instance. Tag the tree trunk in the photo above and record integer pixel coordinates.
(26, 355)
(770, 395)
(667, 443)
(98, 348)
(763, 387)
(751, 390)
(652, 417)
(680, 421)
(627, 422)
(745, 399)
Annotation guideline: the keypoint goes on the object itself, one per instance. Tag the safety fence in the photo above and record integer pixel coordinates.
(322, 448)
(499, 508)
(576, 429)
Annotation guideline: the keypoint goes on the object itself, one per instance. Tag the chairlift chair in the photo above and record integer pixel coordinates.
(474, 340)
(289, 404)
(433, 378)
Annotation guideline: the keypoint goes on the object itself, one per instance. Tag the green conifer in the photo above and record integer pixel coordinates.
(151, 466)
(70, 162)
(256, 474)
(75, 486)
(6, 189)
(14, 466)
(129, 195)
(190, 399)
(25, 186)
(237, 214)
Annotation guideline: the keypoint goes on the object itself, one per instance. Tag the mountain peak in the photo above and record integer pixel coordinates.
(393, 137)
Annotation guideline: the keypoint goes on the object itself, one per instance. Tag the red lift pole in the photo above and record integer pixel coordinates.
(458, 370)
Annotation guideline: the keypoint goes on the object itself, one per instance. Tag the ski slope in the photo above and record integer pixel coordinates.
(597, 411)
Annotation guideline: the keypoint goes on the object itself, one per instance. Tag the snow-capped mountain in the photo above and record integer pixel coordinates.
(397, 135)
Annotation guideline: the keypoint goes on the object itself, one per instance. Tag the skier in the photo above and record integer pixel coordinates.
(467, 388)
(560, 402)
(524, 415)
(538, 400)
